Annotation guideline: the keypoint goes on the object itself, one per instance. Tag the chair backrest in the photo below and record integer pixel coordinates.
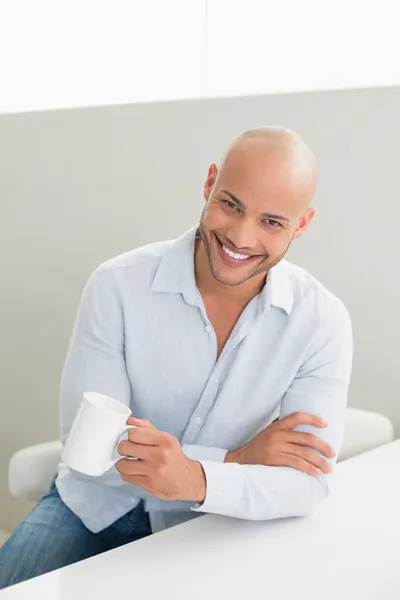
(365, 430)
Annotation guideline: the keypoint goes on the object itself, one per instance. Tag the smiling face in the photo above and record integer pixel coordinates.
(255, 206)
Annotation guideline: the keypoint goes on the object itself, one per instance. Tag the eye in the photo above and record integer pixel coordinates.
(229, 204)
(274, 224)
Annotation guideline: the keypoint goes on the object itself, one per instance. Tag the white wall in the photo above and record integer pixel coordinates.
(79, 186)
(126, 51)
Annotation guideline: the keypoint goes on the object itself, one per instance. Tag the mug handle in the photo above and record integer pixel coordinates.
(114, 462)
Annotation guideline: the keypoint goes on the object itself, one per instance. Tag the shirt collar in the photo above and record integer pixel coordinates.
(175, 274)
(277, 290)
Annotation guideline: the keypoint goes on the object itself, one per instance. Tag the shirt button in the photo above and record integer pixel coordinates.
(197, 420)
(208, 328)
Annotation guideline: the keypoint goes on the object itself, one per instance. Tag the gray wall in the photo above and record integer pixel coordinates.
(80, 186)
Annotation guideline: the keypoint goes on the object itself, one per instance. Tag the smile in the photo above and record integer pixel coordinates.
(233, 255)
(234, 259)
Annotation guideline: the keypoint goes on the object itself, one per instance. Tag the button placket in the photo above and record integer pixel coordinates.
(203, 408)
(208, 397)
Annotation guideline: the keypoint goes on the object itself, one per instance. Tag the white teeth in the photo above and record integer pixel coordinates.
(234, 254)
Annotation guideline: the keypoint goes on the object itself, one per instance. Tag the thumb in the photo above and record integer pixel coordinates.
(140, 422)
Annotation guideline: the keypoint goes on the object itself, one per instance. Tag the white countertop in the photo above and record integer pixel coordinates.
(349, 549)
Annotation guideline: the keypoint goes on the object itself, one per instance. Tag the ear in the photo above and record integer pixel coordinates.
(210, 181)
(304, 222)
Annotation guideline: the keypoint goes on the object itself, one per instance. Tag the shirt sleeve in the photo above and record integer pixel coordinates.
(320, 387)
(95, 358)
(196, 452)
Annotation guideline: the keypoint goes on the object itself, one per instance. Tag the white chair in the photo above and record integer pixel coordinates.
(31, 469)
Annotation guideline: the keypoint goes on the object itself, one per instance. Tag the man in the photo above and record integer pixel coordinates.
(235, 363)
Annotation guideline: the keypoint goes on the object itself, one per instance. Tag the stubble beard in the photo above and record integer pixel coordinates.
(264, 269)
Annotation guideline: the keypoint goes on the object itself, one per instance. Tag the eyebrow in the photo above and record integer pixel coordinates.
(243, 206)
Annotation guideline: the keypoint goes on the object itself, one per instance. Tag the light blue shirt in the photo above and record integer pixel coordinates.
(142, 336)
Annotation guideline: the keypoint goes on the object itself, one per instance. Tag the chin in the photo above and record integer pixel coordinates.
(227, 276)
(227, 283)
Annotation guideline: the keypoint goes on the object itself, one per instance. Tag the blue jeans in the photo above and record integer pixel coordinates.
(52, 537)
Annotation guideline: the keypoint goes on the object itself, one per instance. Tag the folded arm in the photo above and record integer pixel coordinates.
(320, 387)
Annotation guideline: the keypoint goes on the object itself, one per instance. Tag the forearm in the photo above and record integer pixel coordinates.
(254, 492)
(258, 492)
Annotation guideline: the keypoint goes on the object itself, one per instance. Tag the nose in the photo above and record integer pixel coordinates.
(242, 235)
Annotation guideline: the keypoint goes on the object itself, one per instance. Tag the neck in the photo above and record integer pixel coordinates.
(209, 286)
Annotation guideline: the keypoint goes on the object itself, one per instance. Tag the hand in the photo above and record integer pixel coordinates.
(277, 445)
(162, 468)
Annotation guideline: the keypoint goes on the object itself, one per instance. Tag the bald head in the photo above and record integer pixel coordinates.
(281, 148)
(257, 203)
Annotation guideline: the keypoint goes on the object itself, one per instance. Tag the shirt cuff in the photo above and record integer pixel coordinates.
(224, 489)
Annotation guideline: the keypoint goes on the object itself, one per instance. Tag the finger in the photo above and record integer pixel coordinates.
(131, 467)
(140, 422)
(301, 418)
(141, 451)
(145, 435)
(298, 463)
(309, 456)
(308, 439)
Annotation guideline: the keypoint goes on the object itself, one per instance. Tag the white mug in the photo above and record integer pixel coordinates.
(95, 433)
